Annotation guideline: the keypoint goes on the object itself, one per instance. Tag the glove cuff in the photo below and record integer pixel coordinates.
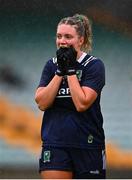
(71, 72)
(59, 73)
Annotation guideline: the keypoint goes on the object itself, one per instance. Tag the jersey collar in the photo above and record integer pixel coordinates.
(82, 57)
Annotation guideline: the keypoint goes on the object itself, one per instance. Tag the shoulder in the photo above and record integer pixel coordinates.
(90, 59)
(94, 73)
(49, 66)
(52, 61)
(93, 62)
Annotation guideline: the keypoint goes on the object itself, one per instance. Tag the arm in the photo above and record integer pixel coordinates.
(45, 96)
(82, 97)
(49, 85)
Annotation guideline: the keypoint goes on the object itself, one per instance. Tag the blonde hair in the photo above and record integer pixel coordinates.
(83, 28)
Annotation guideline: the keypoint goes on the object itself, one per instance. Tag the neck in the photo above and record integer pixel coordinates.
(79, 54)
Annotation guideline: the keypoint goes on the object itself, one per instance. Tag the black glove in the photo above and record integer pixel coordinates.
(61, 61)
(70, 57)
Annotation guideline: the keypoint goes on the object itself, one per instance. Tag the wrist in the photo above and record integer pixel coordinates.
(71, 72)
(59, 73)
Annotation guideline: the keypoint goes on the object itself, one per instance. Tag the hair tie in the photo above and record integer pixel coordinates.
(80, 18)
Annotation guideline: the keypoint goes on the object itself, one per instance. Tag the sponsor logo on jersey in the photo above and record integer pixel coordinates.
(64, 92)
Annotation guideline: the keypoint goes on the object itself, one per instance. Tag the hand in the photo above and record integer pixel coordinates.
(70, 57)
(61, 61)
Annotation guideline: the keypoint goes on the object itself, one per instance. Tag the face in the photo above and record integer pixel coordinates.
(67, 35)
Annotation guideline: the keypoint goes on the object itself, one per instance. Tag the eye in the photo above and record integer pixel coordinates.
(68, 36)
(58, 36)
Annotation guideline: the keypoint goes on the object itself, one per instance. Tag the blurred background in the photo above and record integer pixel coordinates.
(27, 41)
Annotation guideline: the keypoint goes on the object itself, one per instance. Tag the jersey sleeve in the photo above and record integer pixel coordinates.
(94, 75)
(47, 74)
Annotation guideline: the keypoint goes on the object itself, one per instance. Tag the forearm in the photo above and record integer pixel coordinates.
(82, 97)
(78, 96)
(45, 96)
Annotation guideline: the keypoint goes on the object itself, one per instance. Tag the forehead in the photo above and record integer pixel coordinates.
(66, 29)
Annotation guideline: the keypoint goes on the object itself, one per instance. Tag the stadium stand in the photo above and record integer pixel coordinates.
(21, 127)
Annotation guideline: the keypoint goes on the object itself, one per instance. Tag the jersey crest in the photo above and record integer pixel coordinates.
(79, 74)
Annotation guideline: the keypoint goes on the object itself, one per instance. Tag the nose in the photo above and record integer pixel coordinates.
(62, 41)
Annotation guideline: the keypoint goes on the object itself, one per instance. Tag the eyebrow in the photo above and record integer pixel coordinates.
(64, 34)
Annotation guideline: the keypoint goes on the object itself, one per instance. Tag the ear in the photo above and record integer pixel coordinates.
(81, 40)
